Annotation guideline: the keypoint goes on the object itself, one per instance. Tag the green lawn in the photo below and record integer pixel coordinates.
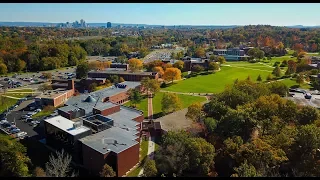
(186, 101)
(215, 83)
(8, 102)
(292, 82)
(20, 90)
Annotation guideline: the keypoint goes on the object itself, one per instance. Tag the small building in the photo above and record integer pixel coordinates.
(126, 75)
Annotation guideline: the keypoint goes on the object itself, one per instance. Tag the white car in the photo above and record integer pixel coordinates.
(37, 110)
(21, 134)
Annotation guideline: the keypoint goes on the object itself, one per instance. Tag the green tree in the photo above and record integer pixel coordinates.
(300, 79)
(150, 85)
(82, 70)
(194, 112)
(278, 88)
(221, 59)
(215, 108)
(107, 171)
(114, 79)
(135, 96)
(198, 68)
(245, 170)
(213, 66)
(3, 68)
(277, 71)
(210, 124)
(150, 169)
(92, 87)
(259, 78)
(201, 154)
(179, 64)
(307, 115)
(13, 159)
(170, 102)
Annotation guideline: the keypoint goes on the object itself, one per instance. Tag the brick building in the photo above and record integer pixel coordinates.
(105, 133)
(126, 75)
(58, 96)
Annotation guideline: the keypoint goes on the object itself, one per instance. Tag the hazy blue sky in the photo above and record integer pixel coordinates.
(166, 13)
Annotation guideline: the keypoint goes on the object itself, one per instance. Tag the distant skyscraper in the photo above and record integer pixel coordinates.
(108, 24)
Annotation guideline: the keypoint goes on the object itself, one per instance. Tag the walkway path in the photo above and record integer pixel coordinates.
(11, 97)
(150, 107)
(191, 94)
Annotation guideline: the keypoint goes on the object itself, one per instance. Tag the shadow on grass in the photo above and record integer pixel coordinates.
(158, 115)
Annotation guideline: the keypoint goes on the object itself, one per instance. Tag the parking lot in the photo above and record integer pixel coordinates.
(299, 98)
(14, 117)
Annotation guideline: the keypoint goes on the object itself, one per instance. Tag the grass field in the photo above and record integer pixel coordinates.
(292, 82)
(186, 101)
(8, 102)
(215, 83)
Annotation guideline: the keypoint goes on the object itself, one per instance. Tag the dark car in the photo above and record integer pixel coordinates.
(6, 79)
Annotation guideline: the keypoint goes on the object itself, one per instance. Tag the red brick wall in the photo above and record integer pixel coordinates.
(109, 111)
(127, 159)
(93, 160)
(119, 97)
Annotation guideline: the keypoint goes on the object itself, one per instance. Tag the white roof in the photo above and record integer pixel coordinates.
(66, 125)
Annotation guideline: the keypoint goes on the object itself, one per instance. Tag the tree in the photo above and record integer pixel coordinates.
(179, 64)
(92, 87)
(213, 66)
(150, 85)
(107, 171)
(172, 74)
(59, 166)
(3, 68)
(215, 108)
(159, 70)
(292, 66)
(248, 78)
(221, 60)
(210, 124)
(278, 88)
(13, 159)
(198, 68)
(135, 96)
(114, 79)
(170, 102)
(39, 172)
(277, 71)
(259, 78)
(135, 64)
(121, 79)
(194, 112)
(47, 75)
(307, 115)
(44, 87)
(82, 70)
(245, 170)
(201, 155)
(200, 52)
(150, 169)
(300, 78)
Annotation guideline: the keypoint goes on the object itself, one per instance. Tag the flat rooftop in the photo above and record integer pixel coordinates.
(79, 101)
(52, 94)
(113, 139)
(116, 71)
(66, 125)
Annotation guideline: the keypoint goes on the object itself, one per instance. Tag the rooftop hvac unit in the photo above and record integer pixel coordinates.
(77, 124)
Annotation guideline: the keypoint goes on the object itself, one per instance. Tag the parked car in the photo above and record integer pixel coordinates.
(14, 131)
(25, 116)
(6, 79)
(37, 110)
(28, 120)
(21, 134)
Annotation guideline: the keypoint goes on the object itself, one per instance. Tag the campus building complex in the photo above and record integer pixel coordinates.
(97, 130)
(126, 75)
(232, 54)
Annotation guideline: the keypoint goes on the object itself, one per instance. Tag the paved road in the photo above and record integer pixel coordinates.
(151, 148)
(150, 107)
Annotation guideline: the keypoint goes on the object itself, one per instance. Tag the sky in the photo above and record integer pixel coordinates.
(165, 13)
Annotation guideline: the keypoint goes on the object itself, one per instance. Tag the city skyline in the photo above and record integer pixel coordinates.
(164, 14)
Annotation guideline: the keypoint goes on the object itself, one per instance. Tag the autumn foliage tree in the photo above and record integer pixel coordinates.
(170, 102)
(107, 171)
(159, 70)
(179, 64)
(292, 67)
(194, 112)
(172, 74)
(135, 64)
(200, 52)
